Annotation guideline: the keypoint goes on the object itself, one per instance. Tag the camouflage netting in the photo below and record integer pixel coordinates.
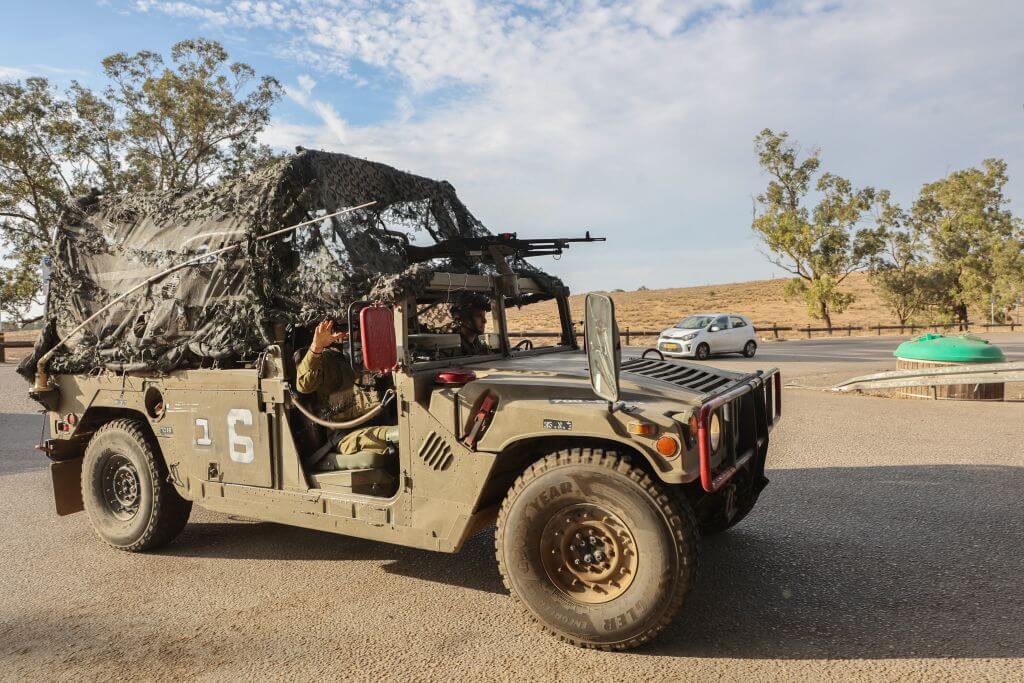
(223, 308)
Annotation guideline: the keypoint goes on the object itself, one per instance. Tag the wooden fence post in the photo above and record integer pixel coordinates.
(3, 349)
(627, 335)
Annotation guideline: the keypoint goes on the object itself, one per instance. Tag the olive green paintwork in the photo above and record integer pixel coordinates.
(228, 445)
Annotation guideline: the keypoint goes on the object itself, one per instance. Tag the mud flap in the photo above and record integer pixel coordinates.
(67, 486)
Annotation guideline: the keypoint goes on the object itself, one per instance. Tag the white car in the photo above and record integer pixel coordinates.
(699, 336)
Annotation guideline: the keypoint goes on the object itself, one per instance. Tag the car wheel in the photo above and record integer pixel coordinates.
(750, 349)
(594, 550)
(130, 502)
(703, 351)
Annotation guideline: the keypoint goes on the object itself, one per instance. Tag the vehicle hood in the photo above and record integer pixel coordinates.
(565, 376)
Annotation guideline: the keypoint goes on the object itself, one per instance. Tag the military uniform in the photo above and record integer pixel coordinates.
(330, 378)
(475, 347)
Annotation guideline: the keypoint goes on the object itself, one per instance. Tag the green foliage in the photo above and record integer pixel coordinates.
(820, 246)
(974, 241)
(155, 127)
(821, 295)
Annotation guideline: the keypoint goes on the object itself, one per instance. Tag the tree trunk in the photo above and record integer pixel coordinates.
(826, 315)
(961, 314)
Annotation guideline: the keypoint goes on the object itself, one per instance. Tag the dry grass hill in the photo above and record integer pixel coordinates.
(761, 300)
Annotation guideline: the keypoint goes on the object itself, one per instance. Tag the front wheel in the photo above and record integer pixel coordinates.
(750, 349)
(595, 551)
(703, 351)
(129, 501)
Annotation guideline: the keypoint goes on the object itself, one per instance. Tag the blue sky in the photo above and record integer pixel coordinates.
(631, 118)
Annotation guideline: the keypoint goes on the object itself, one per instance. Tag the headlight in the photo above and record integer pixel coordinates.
(715, 432)
(688, 337)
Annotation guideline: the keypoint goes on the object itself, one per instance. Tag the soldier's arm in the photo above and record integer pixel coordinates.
(310, 374)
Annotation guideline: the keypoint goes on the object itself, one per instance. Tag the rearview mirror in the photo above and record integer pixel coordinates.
(604, 352)
(377, 332)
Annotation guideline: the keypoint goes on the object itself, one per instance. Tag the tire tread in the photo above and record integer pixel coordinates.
(677, 513)
(170, 510)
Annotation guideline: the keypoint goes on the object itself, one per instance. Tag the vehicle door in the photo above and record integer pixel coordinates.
(718, 335)
(220, 419)
(741, 332)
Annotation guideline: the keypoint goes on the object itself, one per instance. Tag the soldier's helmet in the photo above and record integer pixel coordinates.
(467, 304)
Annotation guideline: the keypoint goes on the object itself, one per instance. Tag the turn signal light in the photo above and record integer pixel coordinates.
(641, 428)
(667, 446)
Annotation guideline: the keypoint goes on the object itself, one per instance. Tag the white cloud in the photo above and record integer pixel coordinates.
(12, 73)
(636, 119)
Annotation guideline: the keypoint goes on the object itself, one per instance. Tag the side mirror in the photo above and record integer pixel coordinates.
(604, 352)
(377, 332)
(714, 328)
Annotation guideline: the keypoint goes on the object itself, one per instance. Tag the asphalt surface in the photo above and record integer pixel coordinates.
(887, 546)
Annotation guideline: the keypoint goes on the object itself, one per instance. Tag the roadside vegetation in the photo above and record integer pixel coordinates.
(957, 248)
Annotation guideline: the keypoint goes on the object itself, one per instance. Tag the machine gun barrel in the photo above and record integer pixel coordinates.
(505, 244)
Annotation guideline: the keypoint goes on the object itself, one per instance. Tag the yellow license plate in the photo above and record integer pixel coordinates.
(670, 347)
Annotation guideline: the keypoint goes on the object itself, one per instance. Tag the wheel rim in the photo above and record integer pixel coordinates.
(751, 346)
(702, 351)
(588, 553)
(121, 486)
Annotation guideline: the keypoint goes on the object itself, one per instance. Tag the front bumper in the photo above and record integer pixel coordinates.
(769, 384)
(677, 348)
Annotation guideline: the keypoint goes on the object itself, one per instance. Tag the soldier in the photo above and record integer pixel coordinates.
(326, 372)
(470, 317)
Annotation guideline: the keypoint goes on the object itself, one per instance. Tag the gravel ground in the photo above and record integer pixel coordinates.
(887, 546)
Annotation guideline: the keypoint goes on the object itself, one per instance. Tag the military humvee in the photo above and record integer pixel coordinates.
(600, 481)
(600, 470)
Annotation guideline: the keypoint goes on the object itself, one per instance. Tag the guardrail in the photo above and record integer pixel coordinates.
(987, 373)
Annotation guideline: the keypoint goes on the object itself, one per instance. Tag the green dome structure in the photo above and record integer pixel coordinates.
(937, 348)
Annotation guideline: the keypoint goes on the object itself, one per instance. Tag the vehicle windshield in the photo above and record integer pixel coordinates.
(695, 322)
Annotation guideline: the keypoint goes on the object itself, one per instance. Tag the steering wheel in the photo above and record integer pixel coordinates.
(523, 343)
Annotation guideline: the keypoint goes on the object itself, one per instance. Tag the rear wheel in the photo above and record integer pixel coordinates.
(129, 501)
(703, 351)
(750, 349)
(594, 550)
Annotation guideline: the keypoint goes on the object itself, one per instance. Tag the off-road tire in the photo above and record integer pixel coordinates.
(161, 513)
(703, 351)
(666, 548)
(749, 349)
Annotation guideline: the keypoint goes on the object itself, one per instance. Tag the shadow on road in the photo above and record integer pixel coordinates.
(874, 562)
(474, 567)
(843, 563)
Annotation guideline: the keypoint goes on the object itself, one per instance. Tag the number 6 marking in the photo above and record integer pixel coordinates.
(247, 454)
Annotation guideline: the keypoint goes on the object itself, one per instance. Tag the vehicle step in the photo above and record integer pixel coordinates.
(371, 481)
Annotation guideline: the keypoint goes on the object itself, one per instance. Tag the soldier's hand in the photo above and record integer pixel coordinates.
(324, 335)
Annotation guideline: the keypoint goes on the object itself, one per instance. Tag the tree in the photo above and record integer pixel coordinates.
(975, 241)
(821, 247)
(181, 127)
(36, 179)
(153, 128)
(903, 279)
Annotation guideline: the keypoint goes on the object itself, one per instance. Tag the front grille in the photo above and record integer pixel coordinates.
(680, 374)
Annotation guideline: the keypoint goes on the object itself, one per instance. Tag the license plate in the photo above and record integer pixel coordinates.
(670, 347)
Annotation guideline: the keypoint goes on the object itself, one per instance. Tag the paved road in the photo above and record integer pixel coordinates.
(887, 546)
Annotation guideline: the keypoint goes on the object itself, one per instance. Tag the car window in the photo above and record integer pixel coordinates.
(738, 322)
(722, 321)
(694, 322)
